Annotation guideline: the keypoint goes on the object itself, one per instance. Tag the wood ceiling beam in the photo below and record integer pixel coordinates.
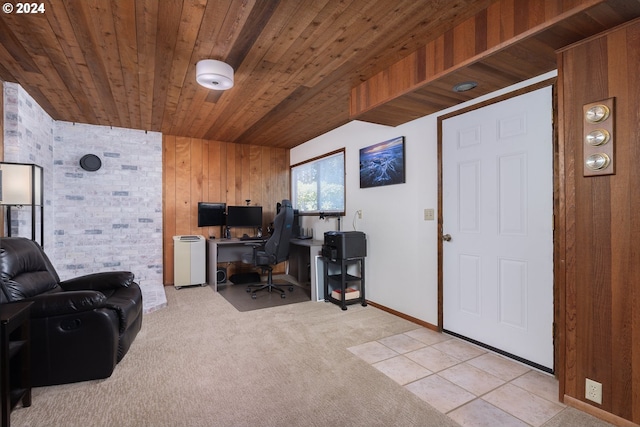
(513, 40)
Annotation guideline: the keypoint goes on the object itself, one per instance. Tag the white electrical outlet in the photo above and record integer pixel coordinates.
(359, 214)
(593, 391)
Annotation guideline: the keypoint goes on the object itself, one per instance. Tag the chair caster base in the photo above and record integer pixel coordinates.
(269, 287)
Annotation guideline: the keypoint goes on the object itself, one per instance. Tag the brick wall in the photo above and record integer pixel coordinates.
(110, 219)
(28, 138)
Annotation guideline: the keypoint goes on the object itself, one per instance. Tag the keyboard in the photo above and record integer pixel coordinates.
(251, 238)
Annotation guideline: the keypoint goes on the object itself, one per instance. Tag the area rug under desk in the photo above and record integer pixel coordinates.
(238, 296)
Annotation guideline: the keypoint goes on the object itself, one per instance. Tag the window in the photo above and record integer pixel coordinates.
(318, 184)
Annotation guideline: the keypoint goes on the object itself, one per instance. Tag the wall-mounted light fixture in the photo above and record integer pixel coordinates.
(21, 186)
(598, 138)
(214, 74)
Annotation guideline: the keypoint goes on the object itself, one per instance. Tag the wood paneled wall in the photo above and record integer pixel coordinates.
(196, 170)
(599, 226)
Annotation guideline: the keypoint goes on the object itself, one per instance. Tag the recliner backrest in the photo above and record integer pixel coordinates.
(25, 270)
(278, 244)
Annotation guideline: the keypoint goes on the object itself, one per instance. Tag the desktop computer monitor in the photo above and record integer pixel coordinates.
(211, 214)
(244, 216)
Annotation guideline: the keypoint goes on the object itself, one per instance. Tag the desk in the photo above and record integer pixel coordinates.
(301, 267)
(225, 250)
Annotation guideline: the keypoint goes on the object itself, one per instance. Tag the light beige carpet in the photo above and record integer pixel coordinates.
(200, 362)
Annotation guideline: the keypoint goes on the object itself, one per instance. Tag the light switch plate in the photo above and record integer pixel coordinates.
(429, 214)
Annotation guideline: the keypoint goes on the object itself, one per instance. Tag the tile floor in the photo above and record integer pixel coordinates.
(473, 386)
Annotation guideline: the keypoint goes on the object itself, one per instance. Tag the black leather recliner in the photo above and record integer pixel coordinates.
(80, 328)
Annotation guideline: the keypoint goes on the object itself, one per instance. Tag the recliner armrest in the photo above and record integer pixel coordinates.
(60, 303)
(99, 281)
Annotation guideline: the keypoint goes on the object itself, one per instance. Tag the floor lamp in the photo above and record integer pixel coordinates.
(21, 186)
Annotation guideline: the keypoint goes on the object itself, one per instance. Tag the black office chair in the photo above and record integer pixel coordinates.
(274, 251)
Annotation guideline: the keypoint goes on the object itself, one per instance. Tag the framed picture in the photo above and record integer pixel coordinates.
(382, 163)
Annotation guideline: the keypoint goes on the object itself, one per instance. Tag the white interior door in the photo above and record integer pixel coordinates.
(497, 186)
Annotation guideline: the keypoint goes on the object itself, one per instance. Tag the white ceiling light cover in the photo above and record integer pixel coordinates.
(214, 74)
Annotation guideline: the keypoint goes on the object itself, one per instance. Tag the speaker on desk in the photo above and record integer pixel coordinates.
(221, 275)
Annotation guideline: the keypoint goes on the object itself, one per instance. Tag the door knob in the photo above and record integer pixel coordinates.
(446, 237)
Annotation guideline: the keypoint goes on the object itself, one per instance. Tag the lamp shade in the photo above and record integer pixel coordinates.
(214, 74)
(20, 184)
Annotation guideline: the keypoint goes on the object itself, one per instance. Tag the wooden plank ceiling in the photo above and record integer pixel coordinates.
(131, 63)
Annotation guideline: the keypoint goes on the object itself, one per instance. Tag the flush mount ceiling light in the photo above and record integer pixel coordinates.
(464, 86)
(214, 74)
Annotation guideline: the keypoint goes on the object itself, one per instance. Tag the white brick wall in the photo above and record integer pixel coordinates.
(110, 219)
(28, 138)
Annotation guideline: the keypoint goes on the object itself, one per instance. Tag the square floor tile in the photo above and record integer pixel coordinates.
(523, 404)
(432, 359)
(402, 370)
(372, 352)
(427, 336)
(540, 384)
(471, 378)
(479, 413)
(459, 349)
(498, 366)
(440, 393)
(402, 343)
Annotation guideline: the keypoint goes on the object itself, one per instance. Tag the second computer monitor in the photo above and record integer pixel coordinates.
(244, 216)
(211, 214)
